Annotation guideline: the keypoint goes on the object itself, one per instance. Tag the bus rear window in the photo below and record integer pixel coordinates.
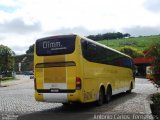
(56, 45)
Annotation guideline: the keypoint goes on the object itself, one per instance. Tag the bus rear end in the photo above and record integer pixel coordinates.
(55, 69)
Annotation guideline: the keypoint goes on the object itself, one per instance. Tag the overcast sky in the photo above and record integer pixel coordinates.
(24, 21)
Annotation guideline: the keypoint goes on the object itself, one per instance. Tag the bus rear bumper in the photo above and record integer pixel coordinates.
(55, 97)
(51, 97)
(58, 97)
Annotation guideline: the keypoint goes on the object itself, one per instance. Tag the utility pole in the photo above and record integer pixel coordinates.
(19, 66)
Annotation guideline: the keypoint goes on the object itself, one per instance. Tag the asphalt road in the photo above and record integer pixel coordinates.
(17, 102)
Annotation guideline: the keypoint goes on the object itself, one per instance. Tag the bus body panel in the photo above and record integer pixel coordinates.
(96, 74)
(59, 73)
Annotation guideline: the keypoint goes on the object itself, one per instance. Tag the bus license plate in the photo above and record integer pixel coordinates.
(54, 90)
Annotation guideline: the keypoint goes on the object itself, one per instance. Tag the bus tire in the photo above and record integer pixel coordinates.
(108, 94)
(101, 97)
(130, 88)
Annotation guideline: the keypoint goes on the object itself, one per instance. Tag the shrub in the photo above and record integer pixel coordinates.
(131, 51)
(154, 51)
(156, 98)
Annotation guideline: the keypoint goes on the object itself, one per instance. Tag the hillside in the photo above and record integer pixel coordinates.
(138, 42)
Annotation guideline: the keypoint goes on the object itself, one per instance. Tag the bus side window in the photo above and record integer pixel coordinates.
(89, 50)
(84, 45)
(91, 47)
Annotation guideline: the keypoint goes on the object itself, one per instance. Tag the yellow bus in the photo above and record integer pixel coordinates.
(71, 68)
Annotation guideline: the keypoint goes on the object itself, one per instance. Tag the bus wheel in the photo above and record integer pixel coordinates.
(109, 94)
(101, 97)
(130, 88)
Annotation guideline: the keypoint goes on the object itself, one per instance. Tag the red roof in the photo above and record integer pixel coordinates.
(141, 60)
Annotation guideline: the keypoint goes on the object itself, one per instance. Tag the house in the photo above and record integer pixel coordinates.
(141, 64)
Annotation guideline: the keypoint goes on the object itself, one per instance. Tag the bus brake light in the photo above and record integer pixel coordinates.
(78, 83)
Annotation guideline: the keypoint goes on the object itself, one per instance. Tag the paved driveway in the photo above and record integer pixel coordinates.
(18, 100)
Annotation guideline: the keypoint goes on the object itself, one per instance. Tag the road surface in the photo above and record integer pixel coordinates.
(17, 102)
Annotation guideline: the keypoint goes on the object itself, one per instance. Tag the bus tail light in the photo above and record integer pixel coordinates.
(35, 85)
(78, 83)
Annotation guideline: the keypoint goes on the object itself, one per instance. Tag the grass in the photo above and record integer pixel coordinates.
(138, 42)
(7, 78)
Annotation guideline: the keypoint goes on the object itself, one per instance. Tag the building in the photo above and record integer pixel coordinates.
(141, 63)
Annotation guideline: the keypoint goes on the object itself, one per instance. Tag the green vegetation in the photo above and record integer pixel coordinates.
(155, 107)
(154, 51)
(30, 49)
(138, 42)
(156, 98)
(131, 51)
(7, 78)
(108, 36)
(6, 59)
(26, 61)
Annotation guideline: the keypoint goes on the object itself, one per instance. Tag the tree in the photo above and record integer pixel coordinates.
(126, 35)
(131, 51)
(108, 36)
(30, 50)
(6, 59)
(154, 51)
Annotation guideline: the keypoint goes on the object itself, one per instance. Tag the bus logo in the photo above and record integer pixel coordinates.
(48, 45)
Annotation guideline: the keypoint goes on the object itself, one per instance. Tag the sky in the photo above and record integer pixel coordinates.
(22, 22)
